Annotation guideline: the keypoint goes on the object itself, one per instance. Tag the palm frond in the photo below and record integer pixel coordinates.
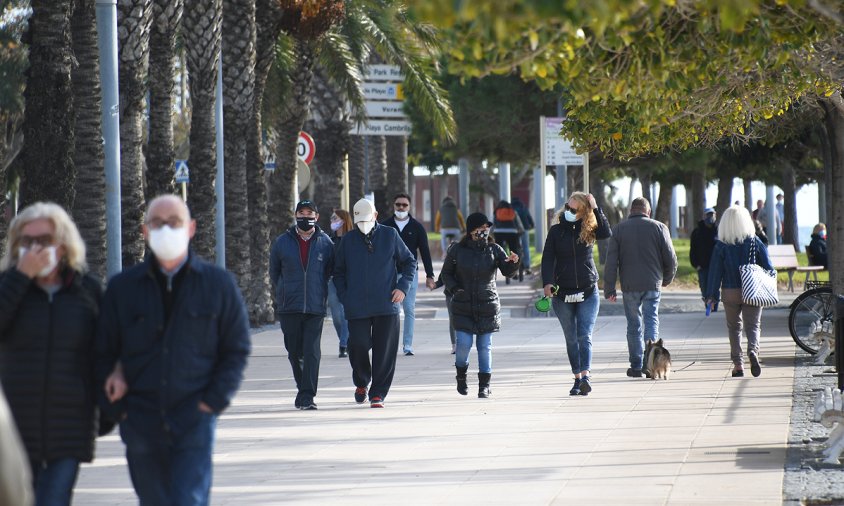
(342, 67)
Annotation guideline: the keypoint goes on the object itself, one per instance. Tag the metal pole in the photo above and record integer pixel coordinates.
(463, 185)
(586, 172)
(107, 42)
(220, 185)
(675, 213)
(504, 181)
(539, 208)
(561, 182)
(344, 195)
(365, 165)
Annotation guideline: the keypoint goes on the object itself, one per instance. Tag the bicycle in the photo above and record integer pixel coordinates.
(811, 317)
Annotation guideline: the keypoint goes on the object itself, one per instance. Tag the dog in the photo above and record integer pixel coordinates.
(657, 360)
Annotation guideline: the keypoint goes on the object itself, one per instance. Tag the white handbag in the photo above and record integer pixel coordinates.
(758, 285)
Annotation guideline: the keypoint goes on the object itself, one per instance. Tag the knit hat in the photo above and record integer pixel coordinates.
(476, 220)
(708, 210)
(364, 211)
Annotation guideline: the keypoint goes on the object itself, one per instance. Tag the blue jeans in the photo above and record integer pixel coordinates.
(54, 482)
(526, 250)
(338, 315)
(464, 346)
(578, 320)
(642, 311)
(169, 470)
(409, 308)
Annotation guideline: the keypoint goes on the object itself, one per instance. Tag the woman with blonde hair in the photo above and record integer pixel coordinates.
(570, 276)
(47, 324)
(737, 245)
(341, 222)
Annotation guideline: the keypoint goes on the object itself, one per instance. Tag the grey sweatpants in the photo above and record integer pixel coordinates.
(740, 316)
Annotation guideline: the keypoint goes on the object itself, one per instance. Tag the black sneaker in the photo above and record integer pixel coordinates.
(585, 385)
(360, 395)
(307, 405)
(755, 368)
(343, 353)
(408, 353)
(634, 373)
(575, 390)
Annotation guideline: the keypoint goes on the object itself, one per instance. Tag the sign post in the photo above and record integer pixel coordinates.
(558, 150)
(183, 177)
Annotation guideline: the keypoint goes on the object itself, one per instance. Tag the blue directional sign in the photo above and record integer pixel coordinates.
(182, 173)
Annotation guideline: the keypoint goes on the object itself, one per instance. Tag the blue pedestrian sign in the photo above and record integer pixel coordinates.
(269, 162)
(182, 174)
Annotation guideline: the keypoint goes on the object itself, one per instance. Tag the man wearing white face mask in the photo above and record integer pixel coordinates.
(178, 326)
(416, 239)
(372, 273)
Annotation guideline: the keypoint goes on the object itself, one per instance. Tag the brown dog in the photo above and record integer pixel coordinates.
(657, 360)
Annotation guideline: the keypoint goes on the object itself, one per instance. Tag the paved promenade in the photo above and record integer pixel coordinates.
(700, 438)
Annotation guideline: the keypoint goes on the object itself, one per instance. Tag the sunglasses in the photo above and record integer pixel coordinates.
(569, 208)
(43, 240)
(401, 205)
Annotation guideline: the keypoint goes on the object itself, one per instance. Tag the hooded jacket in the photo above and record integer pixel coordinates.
(300, 289)
(366, 271)
(469, 275)
(566, 261)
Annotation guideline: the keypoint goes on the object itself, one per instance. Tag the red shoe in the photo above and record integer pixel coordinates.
(360, 395)
(376, 402)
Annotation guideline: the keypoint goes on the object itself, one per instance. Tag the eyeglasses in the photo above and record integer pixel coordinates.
(156, 223)
(43, 240)
(401, 205)
(570, 208)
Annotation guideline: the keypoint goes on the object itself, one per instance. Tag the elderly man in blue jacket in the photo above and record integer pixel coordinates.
(366, 273)
(301, 262)
(177, 326)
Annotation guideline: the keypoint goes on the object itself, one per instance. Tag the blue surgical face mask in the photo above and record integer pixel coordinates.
(570, 216)
(822, 234)
(710, 220)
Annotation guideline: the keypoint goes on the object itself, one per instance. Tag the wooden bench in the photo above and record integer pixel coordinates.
(784, 258)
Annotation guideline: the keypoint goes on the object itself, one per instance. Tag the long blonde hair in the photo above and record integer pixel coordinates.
(67, 235)
(589, 224)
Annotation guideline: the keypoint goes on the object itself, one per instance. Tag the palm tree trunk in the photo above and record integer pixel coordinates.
(162, 68)
(666, 201)
(48, 124)
(283, 192)
(725, 194)
(396, 149)
(133, 22)
(238, 48)
(89, 206)
(201, 30)
(268, 27)
(377, 168)
(331, 144)
(356, 168)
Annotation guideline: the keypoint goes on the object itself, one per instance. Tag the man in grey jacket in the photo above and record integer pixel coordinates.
(642, 252)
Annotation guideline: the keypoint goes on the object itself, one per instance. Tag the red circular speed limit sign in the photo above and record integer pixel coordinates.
(305, 148)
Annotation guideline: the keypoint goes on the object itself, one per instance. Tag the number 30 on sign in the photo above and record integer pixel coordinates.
(305, 148)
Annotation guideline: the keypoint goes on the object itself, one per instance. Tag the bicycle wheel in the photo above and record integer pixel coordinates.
(812, 312)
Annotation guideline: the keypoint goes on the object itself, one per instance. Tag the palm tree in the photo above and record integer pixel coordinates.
(167, 16)
(356, 167)
(201, 32)
(268, 14)
(133, 22)
(238, 48)
(396, 165)
(88, 158)
(49, 117)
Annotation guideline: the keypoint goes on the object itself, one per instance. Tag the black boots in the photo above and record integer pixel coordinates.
(483, 384)
(343, 352)
(462, 387)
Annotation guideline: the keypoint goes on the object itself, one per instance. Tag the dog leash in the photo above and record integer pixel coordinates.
(685, 367)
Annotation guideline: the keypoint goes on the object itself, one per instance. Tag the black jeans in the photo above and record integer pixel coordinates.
(381, 335)
(302, 335)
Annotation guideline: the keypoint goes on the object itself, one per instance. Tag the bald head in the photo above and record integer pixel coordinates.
(167, 204)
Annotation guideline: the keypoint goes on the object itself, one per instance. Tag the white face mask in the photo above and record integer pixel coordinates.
(335, 225)
(401, 214)
(169, 243)
(365, 226)
(570, 216)
(53, 261)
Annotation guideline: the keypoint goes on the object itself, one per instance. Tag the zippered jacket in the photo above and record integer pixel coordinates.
(47, 363)
(366, 271)
(641, 254)
(726, 260)
(299, 289)
(567, 262)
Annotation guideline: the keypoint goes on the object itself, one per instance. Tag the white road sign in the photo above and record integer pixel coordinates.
(384, 127)
(382, 91)
(558, 149)
(383, 73)
(390, 109)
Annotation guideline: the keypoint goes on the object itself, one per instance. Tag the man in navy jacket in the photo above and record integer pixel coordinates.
(372, 273)
(416, 239)
(301, 262)
(177, 326)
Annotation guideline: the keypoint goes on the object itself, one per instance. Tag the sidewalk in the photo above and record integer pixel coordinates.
(700, 438)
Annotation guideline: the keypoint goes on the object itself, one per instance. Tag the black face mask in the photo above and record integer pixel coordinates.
(305, 224)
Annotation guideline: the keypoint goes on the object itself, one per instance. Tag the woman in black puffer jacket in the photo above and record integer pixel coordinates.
(48, 314)
(567, 263)
(469, 275)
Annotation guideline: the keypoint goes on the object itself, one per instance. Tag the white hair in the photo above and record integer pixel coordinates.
(736, 225)
(67, 234)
